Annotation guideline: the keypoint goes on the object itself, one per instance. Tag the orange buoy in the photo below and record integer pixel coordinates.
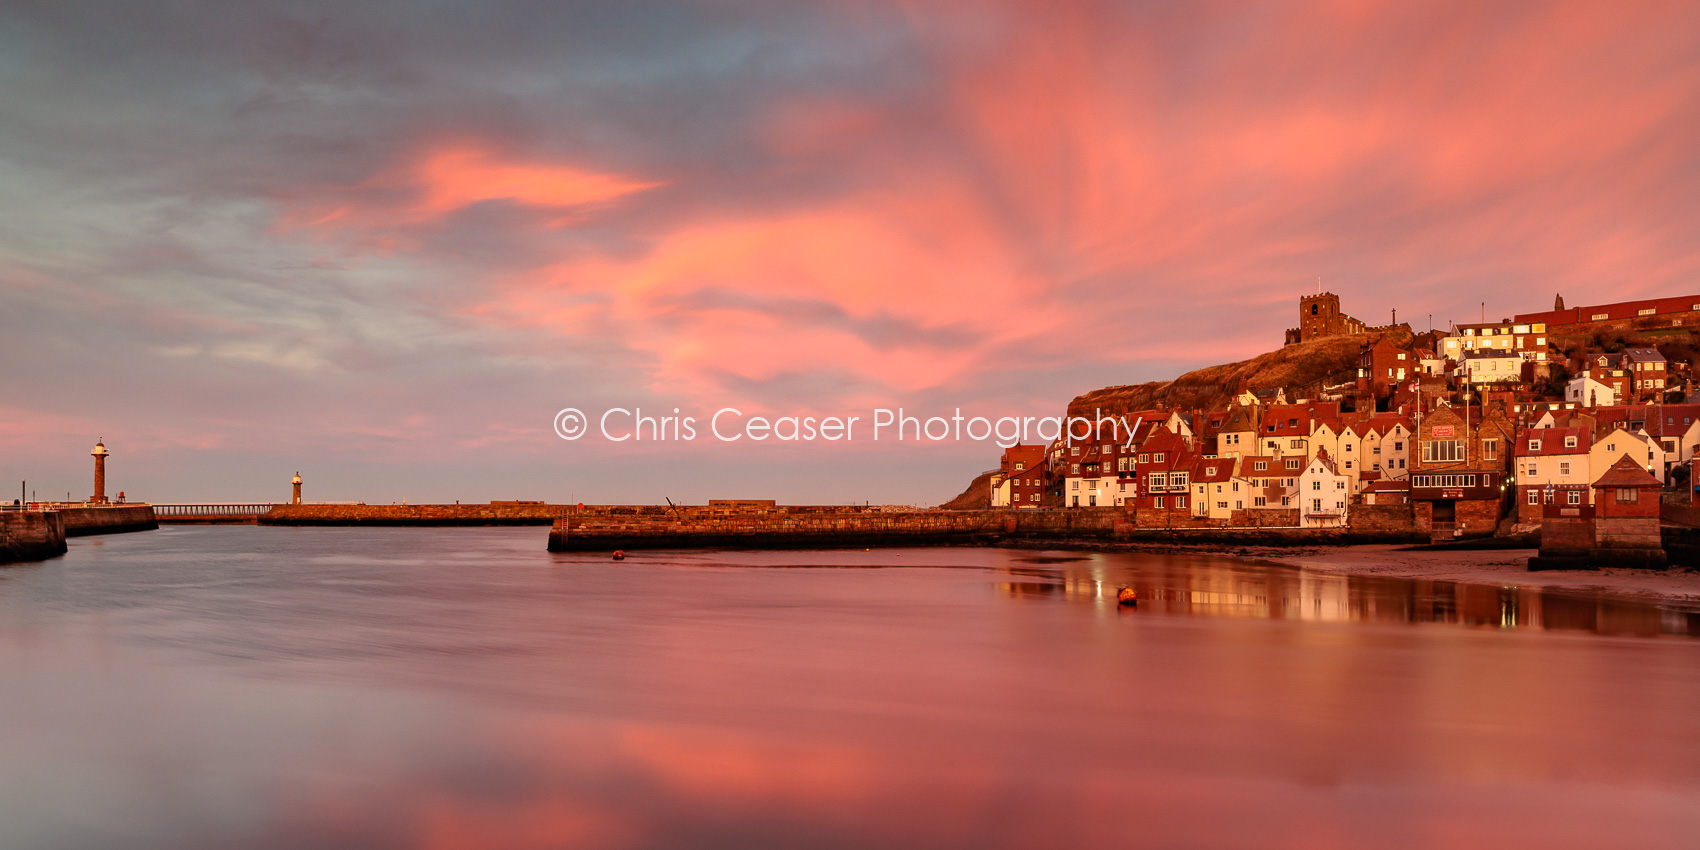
(619, 554)
(1127, 596)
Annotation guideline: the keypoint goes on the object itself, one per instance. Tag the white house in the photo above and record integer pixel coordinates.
(1586, 391)
(1548, 459)
(1323, 495)
(1491, 366)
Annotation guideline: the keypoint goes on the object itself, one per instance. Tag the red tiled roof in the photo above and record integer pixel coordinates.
(1626, 473)
(1552, 441)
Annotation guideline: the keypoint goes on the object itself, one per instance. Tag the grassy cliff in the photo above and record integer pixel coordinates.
(1296, 367)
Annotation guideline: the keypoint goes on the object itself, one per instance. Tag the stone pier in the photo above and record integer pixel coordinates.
(31, 535)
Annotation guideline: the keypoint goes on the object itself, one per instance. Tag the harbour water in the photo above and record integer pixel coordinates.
(450, 688)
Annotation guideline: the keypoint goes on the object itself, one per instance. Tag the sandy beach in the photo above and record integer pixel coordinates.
(1508, 567)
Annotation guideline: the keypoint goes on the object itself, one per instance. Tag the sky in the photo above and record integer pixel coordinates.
(383, 244)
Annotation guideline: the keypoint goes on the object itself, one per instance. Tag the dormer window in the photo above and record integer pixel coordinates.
(1534, 445)
(1570, 442)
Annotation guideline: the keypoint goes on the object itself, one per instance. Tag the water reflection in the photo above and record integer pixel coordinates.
(1212, 587)
(458, 688)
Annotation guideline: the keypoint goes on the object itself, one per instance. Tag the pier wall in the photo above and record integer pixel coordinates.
(827, 527)
(31, 535)
(107, 519)
(503, 514)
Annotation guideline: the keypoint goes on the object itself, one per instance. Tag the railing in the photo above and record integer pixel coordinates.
(59, 506)
(211, 509)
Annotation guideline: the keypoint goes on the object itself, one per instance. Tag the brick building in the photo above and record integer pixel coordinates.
(1458, 479)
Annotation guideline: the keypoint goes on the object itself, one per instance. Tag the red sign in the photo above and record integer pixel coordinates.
(1443, 430)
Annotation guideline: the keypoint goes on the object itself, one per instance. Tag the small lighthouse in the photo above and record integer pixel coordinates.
(100, 453)
(297, 482)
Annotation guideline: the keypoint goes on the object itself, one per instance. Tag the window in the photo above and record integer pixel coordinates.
(1158, 457)
(1144, 458)
(1074, 450)
(1490, 450)
(1298, 444)
(1398, 447)
(1570, 441)
(1178, 479)
(1443, 451)
(1316, 504)
(1074, 484)
(1076, 469)
(1534, 496)
(1293, 462)
(1260, 465)
(1534, 445)
(1573, 497)
(1627, 496)
(1599, 317)
(1316, 485)
(1159, 479)
(1646, 311)
(1259, 502)
(1222, 505)
(1339, 485)
(1180, 502)
(1564, 468)
(1159, 502)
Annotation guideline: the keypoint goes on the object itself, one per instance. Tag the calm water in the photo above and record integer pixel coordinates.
(258, 687)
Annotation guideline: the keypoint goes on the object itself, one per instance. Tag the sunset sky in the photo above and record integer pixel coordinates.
(383, 243)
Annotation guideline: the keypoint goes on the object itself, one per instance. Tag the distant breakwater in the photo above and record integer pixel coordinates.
(607, 529)
(576, 528)
(535, 513)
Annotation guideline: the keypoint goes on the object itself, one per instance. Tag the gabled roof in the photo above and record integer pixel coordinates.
(1326, 461)
(1286, 420)
(1552, 441)
(1627, 473)
(1248, 466)
(1644, 355)
(1212, 470)
(1240, 418)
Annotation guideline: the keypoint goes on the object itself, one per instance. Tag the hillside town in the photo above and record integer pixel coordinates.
(1479, 429)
